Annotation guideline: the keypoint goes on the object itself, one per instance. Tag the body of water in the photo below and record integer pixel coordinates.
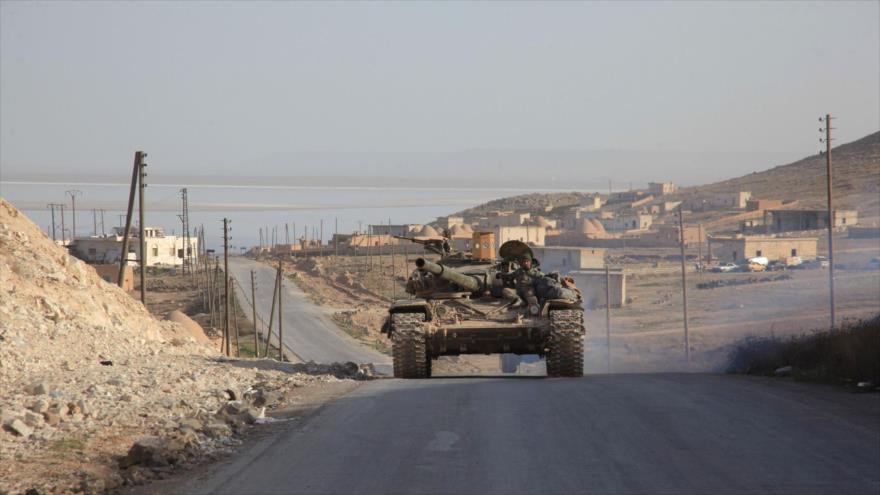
(249, 207)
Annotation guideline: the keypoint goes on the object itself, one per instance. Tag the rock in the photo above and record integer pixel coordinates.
(33, 419)
(784, 371)
(51, 418)
(37, 388)
(84, 407)
(217, 430)
(191, 423)
(116, 382)
(19, 428)
(167, 402)
(146, 451)
(73, 408)
(39, 406)
(250, 415)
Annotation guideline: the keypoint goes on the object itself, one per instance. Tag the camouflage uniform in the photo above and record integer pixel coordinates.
(525, 280)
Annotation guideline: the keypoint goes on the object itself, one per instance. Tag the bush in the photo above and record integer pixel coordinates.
(851, 352)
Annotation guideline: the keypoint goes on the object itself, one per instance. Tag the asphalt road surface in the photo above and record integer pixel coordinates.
(663, 433)
(308, 331)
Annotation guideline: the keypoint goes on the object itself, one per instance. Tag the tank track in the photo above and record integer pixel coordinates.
(408, 346)
(565, 354)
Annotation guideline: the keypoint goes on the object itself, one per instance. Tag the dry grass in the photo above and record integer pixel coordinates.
(850, 353)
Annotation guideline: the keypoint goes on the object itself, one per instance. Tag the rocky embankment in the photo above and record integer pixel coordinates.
(95, 393)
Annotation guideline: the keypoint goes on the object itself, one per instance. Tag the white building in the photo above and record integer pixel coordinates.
(162, 249)
(530, 234)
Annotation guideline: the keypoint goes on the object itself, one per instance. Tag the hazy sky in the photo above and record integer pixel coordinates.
(201, 84)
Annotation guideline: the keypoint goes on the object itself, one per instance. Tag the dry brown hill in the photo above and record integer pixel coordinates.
(856, 177)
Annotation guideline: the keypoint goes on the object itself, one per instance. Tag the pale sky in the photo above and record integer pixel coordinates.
(218, 84)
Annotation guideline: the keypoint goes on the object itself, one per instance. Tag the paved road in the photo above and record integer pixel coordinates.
(308, 331)
(666, 433)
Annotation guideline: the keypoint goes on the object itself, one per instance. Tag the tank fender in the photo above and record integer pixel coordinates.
(411, 306)
(551, 304)
(406, 306)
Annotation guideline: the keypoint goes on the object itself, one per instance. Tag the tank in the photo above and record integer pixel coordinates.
(470, 309)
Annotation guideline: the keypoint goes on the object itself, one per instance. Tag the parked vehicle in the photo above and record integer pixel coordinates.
(819, 262)
(725, 268)
(759, 260)
(874, 263)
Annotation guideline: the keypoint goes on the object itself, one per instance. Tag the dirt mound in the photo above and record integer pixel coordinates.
(85, 371)
(193, 329)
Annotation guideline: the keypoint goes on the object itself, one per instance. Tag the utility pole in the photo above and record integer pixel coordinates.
(280, 319)
(226, 282)
(73, 194)
(103, 234)
(142, 220)
(684, 293)
(286, 235)
(184, 218)
(254, 306)
(272, 315)
(51, 207)
(126, 233)
(700, 249)
(607, 317)
(63, 229)
(321, 239)
(336, 236)
(827, 140)
(95, 222)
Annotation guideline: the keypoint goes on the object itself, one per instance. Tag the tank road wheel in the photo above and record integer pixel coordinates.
(565, 355)
(408, 346)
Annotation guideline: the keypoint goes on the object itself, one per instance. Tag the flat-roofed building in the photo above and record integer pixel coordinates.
(628, 221)
(797, 220)
(661, 188)
(739, 248)
(530, 234)
(566, 258)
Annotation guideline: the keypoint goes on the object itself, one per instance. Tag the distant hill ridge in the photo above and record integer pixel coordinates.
(856, 174)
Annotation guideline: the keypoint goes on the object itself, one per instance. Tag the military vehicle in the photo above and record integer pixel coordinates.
(466, 310)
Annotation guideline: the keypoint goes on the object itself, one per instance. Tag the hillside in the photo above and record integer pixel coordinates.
(856, 184)
(856, 179)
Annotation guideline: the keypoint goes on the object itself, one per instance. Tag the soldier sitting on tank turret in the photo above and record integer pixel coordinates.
(525, 277)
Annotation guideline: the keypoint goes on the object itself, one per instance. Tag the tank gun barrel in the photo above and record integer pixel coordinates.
(467, 282)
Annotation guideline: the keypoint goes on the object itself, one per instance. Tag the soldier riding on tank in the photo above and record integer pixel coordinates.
(524, 279)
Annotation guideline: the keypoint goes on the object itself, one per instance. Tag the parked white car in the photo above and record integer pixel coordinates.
(759, 260)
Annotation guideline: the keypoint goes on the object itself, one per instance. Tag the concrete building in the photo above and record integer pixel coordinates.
(626, 197)
(735, 200)
(797, 220)
(740, 248)
(401, 229)
(162, 249)
(628, 221)
(592, 285)
(567, 258)
(503, 219)
(591, 202)
(529, 234)
(670, 234)
(661, 188)
(449, 222)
